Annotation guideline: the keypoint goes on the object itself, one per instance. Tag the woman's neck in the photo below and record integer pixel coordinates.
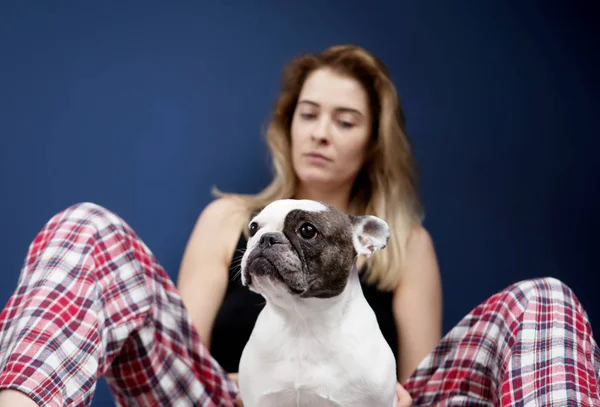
(338, 198)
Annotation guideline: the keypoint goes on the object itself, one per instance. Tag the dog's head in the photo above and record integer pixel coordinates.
(307, 249)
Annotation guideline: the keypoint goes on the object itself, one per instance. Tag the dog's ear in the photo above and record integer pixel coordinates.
(369, 234)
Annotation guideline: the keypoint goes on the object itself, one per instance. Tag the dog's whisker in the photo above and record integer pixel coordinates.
(237, 261)
(237, 274)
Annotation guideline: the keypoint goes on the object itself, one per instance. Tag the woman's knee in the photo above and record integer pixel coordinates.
(87, 209)
(77, 227)
(89, 213)
(546, 288)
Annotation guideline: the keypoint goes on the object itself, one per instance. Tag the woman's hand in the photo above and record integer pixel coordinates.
(403, 399)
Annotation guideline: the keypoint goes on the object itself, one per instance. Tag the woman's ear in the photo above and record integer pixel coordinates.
(369, 234)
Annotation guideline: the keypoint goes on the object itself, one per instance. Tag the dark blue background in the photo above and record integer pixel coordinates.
(144, 107)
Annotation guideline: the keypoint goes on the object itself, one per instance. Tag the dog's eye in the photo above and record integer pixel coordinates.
(252, 229)
(308, 231)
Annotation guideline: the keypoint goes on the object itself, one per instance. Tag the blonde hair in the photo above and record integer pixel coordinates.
(385, 186)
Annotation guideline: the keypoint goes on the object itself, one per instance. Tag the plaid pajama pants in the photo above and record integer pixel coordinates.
(93, 301)
(528, 345)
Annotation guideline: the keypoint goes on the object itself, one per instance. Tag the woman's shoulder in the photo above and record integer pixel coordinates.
(224, 214)
(419, 240)
(221, 222)
(225, 209)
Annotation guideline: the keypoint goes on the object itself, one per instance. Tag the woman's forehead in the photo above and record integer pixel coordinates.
(328, 89)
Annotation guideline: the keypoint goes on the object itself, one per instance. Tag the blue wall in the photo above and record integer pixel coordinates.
(143, 108)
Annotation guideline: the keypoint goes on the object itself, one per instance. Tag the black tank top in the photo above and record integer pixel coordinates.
(240, 308)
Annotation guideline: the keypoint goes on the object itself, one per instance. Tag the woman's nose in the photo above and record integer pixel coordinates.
(320, 132)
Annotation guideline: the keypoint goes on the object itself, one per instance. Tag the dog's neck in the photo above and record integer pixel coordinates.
(309, 312)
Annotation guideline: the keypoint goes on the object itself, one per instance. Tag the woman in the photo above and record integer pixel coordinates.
(93, 301)
(337, 135)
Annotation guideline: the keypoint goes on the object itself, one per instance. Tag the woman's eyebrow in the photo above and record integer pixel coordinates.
(342, 109)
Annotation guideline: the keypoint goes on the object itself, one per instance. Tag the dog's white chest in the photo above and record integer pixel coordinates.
(347, 365)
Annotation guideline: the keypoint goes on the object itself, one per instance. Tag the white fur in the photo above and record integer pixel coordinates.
(314, 352)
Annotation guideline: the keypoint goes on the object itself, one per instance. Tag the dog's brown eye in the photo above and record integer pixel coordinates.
(252, 229)
(308, 231)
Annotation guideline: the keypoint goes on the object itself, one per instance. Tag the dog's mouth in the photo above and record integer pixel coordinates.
(262, 267)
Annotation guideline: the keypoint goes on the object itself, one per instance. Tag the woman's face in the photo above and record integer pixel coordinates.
(330, 130)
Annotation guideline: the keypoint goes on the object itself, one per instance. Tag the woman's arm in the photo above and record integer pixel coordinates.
(204, 270)
(417, 304)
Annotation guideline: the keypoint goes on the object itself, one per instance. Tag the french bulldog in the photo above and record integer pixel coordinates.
(316, 342)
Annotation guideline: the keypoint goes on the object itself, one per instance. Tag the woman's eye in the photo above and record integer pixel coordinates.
(308, 116)
(346, 125)
(308, 231)
(252, 229)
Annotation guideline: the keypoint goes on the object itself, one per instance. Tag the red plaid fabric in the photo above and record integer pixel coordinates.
(529, 345)
(91, 301)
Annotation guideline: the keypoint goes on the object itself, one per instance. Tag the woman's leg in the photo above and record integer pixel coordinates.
(529, 345)
(92, 300)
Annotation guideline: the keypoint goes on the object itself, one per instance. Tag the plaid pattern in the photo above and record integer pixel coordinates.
(529, 345)
(91, 301)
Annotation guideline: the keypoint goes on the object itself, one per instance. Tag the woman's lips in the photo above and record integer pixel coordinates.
(317, 158)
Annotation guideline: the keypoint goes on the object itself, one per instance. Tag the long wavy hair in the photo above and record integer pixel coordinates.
(386, 186)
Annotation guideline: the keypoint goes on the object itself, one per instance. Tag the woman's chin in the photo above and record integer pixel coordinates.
(315, 176)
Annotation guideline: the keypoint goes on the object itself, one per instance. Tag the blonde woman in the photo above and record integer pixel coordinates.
(92, 300)
(336, 135)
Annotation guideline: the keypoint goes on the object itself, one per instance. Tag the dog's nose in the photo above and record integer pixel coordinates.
(270, 239)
